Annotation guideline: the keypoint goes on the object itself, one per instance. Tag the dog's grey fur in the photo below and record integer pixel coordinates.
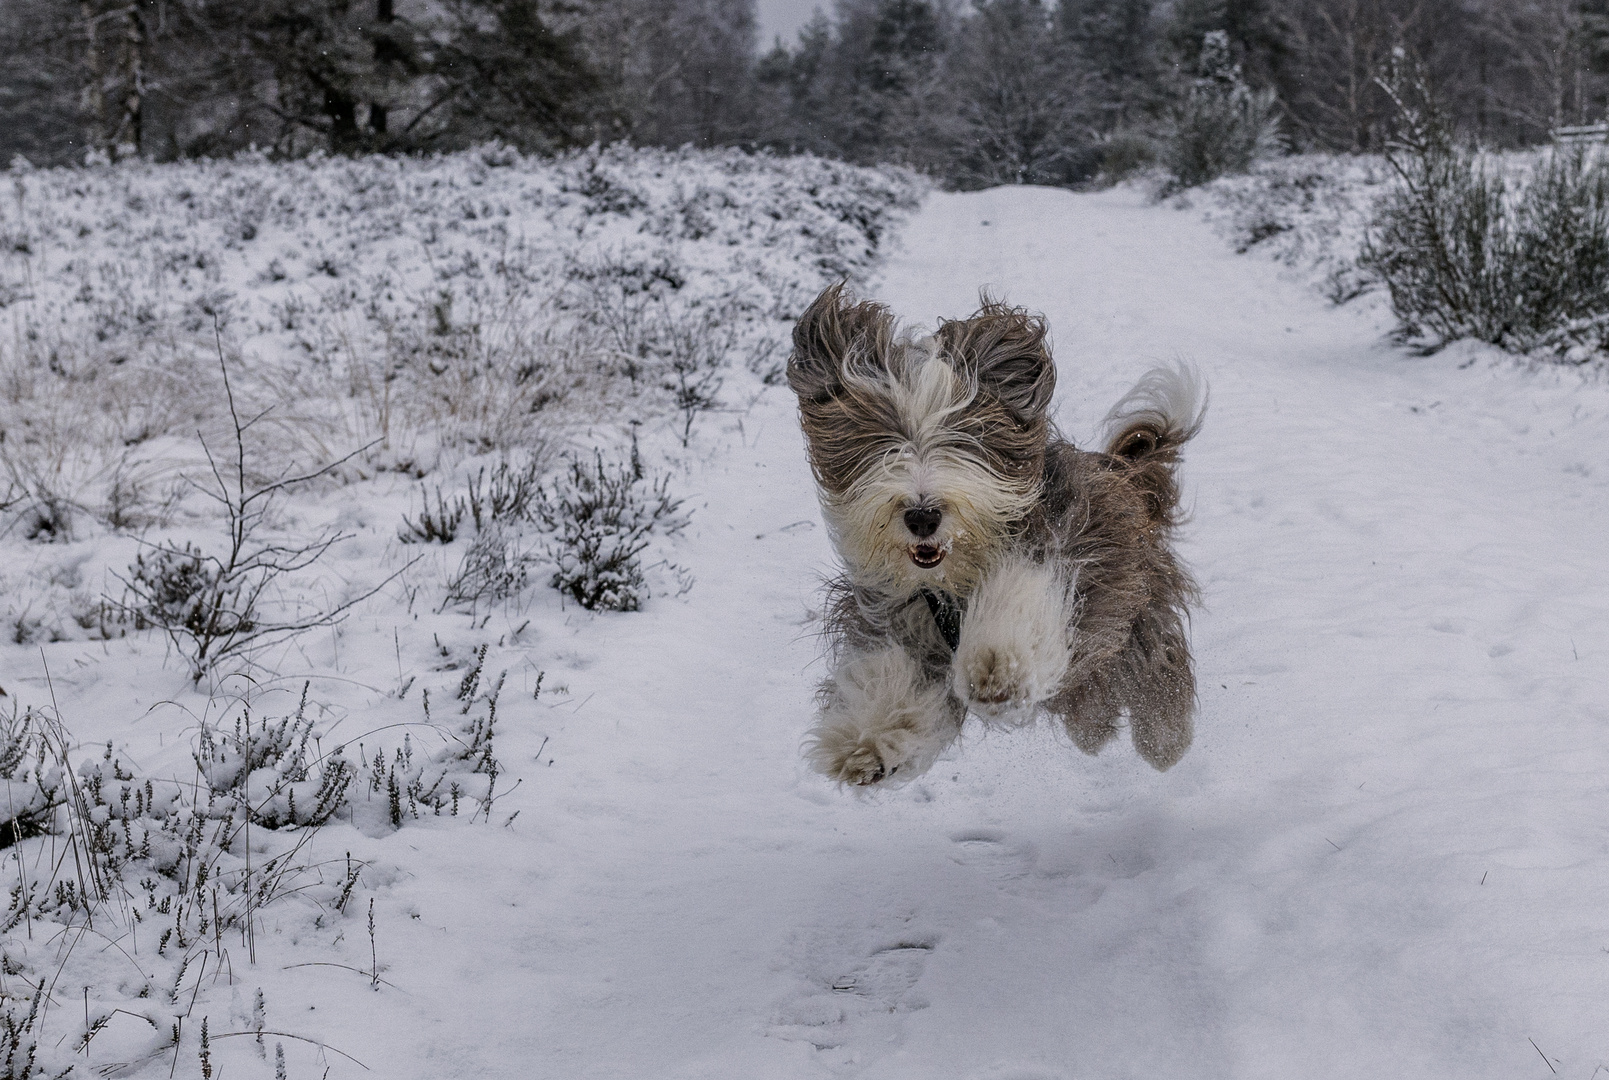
(1073, 600)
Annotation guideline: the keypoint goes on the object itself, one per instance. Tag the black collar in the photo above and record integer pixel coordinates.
(946, 611)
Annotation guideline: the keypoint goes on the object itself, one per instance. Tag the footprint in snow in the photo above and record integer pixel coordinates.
(887, 978)
(868, 994)
(990, 852)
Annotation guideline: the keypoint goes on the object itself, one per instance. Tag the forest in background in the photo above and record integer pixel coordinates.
(994, 91)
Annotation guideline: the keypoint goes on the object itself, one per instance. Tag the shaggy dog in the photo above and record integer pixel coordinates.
(989, 565)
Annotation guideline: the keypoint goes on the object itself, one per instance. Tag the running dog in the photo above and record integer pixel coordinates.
(989, 566)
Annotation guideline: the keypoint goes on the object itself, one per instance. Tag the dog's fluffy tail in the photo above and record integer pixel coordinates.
(1148, 426)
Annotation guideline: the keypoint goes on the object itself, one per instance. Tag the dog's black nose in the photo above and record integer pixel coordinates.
(923, 521)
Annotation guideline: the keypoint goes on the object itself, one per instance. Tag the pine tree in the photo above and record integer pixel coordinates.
(340, 69)
(888, 60)
(1017, 104)
(1259, 33)
(1112, 48)
(866, 87)
(1219, 124)
(505, 74)
(792, 86)
(668, 72)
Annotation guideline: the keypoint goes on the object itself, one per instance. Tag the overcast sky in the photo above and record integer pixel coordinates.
(784, 17)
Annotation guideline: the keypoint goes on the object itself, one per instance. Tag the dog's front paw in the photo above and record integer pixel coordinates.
(859, 757)
(1014, 645)
(994, 681)
(858, 764)
(862, 767)
(883, 719)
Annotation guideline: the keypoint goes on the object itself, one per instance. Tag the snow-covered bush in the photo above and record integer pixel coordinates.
(1220, 125)
(686, 350)
(462, 775)
(503, 495)
(599, 517)
(1511, 249)
(263, 768)
(588, 524)
(1440, 244)
(32, 783)
(19, 1037)
(175, 869)
(212, 606)
(496, 567)
(1467, 252)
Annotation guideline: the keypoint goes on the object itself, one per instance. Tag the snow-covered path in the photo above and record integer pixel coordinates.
(1387, 854)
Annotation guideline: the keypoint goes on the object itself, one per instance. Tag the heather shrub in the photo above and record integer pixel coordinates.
(1465, 252)
(599, 517)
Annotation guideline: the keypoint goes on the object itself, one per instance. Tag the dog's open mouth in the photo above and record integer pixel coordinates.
(927, 556)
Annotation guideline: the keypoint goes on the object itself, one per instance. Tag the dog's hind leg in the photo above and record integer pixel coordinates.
(882, 718)
(1089, 711)
(1159, 687)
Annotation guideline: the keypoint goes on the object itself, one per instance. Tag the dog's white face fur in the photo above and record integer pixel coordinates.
(926, 509)
(928, 450)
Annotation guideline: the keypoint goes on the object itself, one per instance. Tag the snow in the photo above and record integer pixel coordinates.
(1385, 854)
(1309, 211)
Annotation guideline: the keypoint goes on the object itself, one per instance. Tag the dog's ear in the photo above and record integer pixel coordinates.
(834, 332)
(1005, 350)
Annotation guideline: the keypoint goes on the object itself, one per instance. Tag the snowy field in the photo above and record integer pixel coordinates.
(1385, 855)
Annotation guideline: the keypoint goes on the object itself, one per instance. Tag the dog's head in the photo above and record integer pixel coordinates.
(928, 451)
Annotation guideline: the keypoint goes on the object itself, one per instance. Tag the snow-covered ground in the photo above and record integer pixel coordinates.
(1385, 855)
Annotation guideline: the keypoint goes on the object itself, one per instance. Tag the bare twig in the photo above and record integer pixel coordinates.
(1538, 1049)
(298, 1038)
(208, 605)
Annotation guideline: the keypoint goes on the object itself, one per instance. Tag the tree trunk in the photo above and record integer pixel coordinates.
(129, 139)
(343, 114)
(94, 102)
(379, 116)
